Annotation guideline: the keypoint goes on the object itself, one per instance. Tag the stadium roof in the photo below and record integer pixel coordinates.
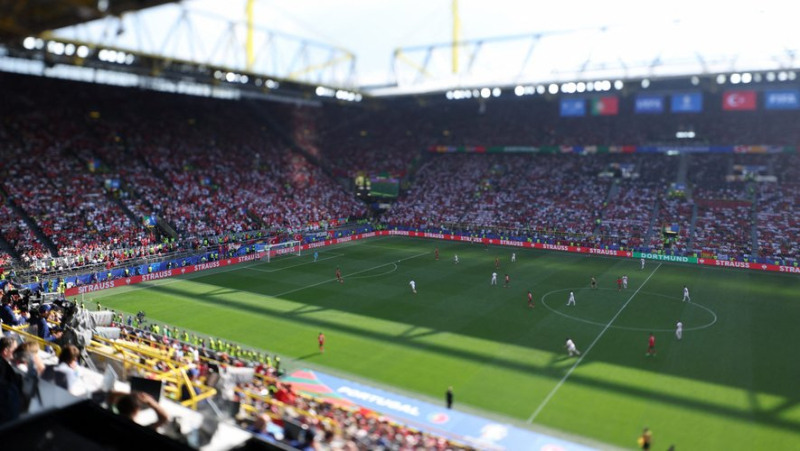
(21, 18)
(346, 44)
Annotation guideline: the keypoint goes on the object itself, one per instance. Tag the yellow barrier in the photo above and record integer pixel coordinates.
(30, 337)
(130, 354)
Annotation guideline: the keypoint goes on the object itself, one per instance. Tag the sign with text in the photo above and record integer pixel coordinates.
(649, 104)
(784, 99)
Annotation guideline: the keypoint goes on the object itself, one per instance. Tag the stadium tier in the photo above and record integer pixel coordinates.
(84, 177)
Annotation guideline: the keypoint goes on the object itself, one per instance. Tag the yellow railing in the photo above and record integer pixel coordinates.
(130, 356)
(274, 402)
(20, 330)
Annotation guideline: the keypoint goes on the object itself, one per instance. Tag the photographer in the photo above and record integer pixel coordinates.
(43, 327)
(8, 316)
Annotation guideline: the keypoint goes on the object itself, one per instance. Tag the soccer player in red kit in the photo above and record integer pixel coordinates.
(437, 253)
(651, 345)
(339, 275)
(321, 340)
(508, 282)
(530, 300)
(619, 283)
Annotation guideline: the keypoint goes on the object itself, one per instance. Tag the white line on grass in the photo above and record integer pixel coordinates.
(348, 275)
(195, 275)
(253, 268)
(580, 359)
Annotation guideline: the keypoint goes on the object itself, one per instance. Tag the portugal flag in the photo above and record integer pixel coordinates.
(605, 106)
(739, 100)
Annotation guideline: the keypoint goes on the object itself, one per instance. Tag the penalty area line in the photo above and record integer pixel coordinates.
(580, 359)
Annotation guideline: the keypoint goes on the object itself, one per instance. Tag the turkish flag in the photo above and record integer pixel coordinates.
(739, 100)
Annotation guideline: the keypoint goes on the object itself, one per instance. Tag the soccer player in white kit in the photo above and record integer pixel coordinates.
(456, 259)
(686, 297)
(625, 282)
(571, 298)
(571, 347)
(513, 257)
(679, 330)
(642, 264)
(494, 278)
(413, 286)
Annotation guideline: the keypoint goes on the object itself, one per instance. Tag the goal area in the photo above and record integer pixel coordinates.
(272, 251)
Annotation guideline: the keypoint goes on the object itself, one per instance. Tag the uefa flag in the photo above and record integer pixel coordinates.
(739, 100)
(605, 106)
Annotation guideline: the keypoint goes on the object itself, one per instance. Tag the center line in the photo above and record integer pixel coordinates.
(580, 359)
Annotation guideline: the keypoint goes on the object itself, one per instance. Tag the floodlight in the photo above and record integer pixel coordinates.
(496, 92)
(770, 76)
(519, 90)
(720, 79)
(695, 80)
(782, 76)
(83, 51)
(747, 77)
(486, 92)
(230, 77)
(540, 89)
(29, 43)
(580, 87)
(618, 85)
(552, 89)
(735, 79)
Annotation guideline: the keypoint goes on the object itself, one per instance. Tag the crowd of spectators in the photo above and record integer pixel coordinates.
(355, 140)
(779, 221)
(542, 192)
(88, 172)
(206, 167)
(276, 402)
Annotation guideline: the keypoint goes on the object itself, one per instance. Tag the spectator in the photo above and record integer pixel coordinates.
(259, 428)
(70, 370)
(26, 357)
(11, 400)
(8, 316)
(131, 404)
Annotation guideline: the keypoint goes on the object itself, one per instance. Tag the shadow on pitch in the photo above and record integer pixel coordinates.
(551, 370)
(308, 356)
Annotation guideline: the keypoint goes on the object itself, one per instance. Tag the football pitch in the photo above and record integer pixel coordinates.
(731, 382)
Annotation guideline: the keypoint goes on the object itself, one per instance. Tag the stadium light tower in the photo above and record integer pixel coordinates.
(249, 47)
(456, 36)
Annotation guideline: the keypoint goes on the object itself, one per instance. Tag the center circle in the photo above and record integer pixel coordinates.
(638, 329)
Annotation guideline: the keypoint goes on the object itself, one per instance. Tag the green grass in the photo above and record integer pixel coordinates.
(731, 383)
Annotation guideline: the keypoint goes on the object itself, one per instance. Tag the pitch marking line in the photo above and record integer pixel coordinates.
(639, 329)
(346, 276)
(253, 268)
(585, 353)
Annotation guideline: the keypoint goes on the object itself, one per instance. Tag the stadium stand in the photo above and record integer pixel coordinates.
(83, 176)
